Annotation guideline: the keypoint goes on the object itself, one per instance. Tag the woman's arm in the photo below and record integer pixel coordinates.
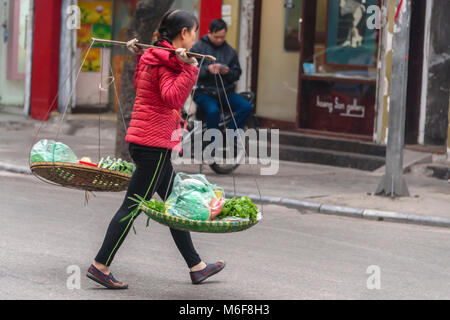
(175, 88)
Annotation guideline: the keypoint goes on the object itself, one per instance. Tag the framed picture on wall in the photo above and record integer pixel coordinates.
(349, 41)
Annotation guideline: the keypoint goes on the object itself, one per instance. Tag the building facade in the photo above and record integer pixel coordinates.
(318, 67)
(44, 43)
(323, 68)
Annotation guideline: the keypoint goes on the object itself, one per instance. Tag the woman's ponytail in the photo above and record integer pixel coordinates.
(173, 22)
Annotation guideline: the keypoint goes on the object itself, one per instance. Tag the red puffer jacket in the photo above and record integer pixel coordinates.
(163, 83)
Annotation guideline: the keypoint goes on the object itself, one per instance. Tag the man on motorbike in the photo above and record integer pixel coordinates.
(210, 92)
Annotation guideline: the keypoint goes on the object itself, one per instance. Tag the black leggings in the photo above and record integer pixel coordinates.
(151, 164)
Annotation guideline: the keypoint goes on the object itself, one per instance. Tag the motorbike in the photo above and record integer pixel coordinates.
(232, 152)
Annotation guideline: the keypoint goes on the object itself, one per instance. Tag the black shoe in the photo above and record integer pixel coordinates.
(198, 277)
(107, 281)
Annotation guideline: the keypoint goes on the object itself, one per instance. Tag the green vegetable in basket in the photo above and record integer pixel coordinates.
(240, 208)
(156, 205)
(116, 165)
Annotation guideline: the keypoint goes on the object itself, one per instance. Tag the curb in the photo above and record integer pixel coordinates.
(14, 169)
(321, 208)
(367, 214)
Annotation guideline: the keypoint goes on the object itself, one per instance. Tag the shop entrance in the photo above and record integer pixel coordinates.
(337, 78)
(321, 78)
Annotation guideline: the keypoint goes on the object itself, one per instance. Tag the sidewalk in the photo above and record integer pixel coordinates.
(307, 187)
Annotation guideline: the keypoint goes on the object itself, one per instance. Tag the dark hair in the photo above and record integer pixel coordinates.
(173, 22)
(218, 25)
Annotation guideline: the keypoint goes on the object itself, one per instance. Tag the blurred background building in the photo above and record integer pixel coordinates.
(319, 69)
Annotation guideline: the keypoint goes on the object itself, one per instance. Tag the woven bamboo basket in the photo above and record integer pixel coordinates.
(80, 176)
(197, 226)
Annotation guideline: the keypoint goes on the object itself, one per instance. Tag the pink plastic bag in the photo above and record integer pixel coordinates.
(216, 207)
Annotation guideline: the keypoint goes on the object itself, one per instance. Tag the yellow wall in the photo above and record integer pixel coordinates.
(233, 29)
(278, 70)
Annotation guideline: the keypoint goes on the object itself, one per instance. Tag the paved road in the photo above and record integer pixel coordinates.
(290, 255)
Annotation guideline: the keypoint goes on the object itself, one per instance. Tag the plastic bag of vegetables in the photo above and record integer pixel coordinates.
(52, 151)
(194, 197)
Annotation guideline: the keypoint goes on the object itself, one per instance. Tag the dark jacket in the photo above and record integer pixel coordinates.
(225, 55)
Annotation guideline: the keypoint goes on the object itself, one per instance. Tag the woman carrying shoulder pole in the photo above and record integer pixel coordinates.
(163, 80)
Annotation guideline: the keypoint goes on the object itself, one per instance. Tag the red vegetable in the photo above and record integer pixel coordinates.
(89, 164)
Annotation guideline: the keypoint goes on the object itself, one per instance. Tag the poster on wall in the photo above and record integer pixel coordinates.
(95, 12)
(84, 35)
(93, 60)
(96, 19)
(349, 40)
(101, 31)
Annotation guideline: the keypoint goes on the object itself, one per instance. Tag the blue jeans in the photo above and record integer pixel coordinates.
(241, 110)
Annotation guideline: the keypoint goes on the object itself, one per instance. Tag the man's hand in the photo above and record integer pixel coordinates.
(224, 69)
(214, 68)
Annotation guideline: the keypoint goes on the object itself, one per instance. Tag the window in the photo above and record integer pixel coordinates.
(292, 27)
(343, 45)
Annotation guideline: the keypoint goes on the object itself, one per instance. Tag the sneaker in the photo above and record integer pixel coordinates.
(211, 269)
(107, 281)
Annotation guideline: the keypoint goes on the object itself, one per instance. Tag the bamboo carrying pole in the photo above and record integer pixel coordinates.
(146, 46)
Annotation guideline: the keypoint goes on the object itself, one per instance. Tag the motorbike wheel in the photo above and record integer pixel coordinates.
(224, 168)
